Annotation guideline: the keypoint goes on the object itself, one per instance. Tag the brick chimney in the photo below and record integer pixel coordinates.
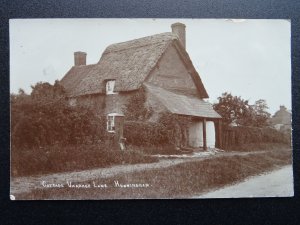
(179, 30)
(79, 58)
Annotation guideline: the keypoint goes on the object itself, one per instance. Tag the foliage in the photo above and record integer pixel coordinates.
(45, 118)
(47, 92)
(261, 115)
(136, 109)
(241, 135)
(234, 109)
(138, 130)
(145, 133)
(170, 129)
(176, 126)
(55, 158)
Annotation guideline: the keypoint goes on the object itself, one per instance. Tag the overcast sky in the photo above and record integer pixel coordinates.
(249, 58)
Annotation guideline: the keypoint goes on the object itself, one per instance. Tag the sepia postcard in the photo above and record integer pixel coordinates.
(150, 109)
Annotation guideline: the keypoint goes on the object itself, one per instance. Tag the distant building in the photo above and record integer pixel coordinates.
(282, 119)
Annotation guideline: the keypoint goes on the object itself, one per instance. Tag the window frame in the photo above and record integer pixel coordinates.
(110, 87)
(110, 123)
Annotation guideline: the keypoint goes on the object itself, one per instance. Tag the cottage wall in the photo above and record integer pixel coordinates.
(171, 74)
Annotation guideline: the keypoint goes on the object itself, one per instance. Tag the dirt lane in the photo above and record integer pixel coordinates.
(278, 183)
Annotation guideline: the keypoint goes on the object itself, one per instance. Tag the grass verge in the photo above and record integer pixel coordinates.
(258, 147)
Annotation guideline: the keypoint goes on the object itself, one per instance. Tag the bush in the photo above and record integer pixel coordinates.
(42, 125)
(145, 133)
(42, 119)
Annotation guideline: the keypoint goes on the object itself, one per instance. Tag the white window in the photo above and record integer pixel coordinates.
(111, 123)
(110, 85)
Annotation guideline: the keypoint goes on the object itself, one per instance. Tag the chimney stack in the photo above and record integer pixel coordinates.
(79, 58)
(179, 30)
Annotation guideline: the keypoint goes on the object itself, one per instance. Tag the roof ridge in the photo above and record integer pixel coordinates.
(133, 47)
(141, 42)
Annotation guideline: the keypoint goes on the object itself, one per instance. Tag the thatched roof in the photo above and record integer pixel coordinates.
(182, 104)
(72, 80)
(128, 63)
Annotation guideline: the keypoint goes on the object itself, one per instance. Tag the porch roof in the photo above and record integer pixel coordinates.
(183, 104)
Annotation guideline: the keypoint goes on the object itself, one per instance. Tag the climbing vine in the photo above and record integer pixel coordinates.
(136, 109)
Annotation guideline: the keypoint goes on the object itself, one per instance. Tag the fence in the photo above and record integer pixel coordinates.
(235, 136)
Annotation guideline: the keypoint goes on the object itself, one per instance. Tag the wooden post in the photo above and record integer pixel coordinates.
(220, 135)
(204, 135)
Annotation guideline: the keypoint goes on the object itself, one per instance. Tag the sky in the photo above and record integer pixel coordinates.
(248, 58)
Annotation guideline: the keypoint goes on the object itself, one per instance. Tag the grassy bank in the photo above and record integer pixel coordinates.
(54, 159)
(180, 181)
(259, 147)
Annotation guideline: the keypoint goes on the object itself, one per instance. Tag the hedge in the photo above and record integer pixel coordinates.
(145, 133)
(38, 125)
(235, 136)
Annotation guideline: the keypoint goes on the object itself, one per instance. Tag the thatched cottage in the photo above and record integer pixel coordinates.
(161, 66)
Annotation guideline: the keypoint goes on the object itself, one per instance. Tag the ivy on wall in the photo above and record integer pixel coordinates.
(136, 109)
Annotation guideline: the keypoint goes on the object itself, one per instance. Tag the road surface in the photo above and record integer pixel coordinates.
(278, 183)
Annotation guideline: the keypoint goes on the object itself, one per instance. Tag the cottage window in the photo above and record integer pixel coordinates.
(110, 85)
(111, 123)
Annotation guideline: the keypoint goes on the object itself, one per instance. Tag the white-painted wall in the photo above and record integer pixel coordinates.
(196, 134)
(210, 134)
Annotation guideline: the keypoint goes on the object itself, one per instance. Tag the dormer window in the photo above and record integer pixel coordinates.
(110, 86)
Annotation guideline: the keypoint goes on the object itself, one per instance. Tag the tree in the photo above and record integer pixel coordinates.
(47, 92)
(261, 115)
(234, 109)
(46, 118)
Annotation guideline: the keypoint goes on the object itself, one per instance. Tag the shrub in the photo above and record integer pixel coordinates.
(145, 133)
(45, 118)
